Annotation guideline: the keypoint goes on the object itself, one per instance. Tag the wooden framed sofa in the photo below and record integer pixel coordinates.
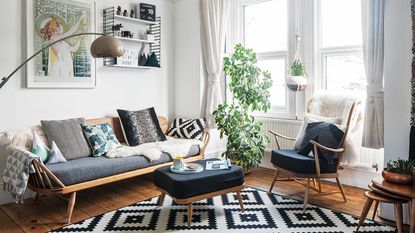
(75, 175)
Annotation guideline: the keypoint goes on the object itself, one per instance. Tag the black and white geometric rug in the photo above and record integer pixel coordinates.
(263, 213)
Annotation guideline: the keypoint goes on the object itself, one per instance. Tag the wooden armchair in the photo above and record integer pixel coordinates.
(311, 168)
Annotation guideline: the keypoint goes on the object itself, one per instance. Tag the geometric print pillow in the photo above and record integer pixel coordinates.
(188, 129)
(101, 138)
(327, 134)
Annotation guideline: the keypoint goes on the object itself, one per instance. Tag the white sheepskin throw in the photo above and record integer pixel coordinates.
(337, 105)
(22, 138)
(153, 150)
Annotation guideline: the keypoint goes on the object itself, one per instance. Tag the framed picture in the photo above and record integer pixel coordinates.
(69, 63)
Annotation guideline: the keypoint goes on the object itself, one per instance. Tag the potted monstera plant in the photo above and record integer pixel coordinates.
(399, 171)
(250, 89)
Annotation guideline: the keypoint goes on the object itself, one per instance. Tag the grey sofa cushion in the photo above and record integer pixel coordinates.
(68, 136)
(91, 168)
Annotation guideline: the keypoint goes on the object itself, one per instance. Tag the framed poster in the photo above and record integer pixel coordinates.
(69, 63)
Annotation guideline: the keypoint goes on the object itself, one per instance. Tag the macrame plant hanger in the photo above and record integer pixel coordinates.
(296, 79)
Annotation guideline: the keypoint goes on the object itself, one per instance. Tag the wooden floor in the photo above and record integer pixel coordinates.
(47, 213)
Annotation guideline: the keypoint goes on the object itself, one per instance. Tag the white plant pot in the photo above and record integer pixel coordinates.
(296, 83)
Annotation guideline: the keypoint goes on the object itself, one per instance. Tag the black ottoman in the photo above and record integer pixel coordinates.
(189, 188)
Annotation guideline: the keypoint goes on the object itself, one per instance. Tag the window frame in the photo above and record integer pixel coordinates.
(289, 110)
(324, 52)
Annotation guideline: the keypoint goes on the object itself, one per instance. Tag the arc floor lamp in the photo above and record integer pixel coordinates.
(103, 46)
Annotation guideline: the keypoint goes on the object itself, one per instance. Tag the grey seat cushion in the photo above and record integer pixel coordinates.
(91, 168)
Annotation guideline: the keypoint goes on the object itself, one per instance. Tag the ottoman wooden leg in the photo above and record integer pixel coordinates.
(241, 204)
(161, 199)
(189, 214)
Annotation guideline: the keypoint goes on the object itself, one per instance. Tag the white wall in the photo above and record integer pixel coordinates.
(116, 87)
(398, 37)
(187, 59)
(189, 72)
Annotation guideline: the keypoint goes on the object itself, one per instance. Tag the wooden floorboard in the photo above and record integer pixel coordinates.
(49, 211)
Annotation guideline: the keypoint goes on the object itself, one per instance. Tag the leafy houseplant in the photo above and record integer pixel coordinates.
(296, 68)
(399, 171)
(250, 88)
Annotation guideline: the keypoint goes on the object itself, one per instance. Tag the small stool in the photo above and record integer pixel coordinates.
(189, 188)
(374, 196)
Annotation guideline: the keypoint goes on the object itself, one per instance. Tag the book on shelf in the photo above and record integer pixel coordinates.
(218, 164)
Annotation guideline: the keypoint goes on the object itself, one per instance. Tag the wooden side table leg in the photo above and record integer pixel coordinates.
(241, 204)
(398, 217)
(189, 214)
(161, 199)
(375, 209)
(364, 213)
(412, 217)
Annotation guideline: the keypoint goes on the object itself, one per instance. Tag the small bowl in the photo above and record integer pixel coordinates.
(397, 178)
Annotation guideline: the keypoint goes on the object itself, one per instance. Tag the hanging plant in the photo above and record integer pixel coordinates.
(296, 80)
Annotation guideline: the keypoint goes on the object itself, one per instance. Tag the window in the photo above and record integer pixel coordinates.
(265, 29)
(331, 45)
(341, 58)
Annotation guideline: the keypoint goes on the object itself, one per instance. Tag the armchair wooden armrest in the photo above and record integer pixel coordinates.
(326, 148)
(317, 161)
(277, 135)
(281, 136)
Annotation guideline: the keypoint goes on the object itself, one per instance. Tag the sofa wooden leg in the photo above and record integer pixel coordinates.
(273, 181)
(71, 204)
(36, 197)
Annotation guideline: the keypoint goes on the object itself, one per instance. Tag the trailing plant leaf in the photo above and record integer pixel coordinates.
(400, 166)
(297, 68)
(250, 88)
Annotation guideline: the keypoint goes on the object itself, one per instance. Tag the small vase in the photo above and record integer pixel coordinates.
(397, 178)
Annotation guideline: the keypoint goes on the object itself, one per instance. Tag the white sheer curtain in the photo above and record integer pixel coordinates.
(214, 18)
(373, 30)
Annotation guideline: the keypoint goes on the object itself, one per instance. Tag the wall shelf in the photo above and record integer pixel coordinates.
(134, 20)
(136, 40)
(134, 46)
(134, 67)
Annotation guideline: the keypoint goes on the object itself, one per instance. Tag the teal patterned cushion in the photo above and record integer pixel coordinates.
(101, 138)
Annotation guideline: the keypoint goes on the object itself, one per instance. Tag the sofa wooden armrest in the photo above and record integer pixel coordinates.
(44, 182)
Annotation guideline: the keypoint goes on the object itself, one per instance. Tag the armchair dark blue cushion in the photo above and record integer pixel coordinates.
(290, 160)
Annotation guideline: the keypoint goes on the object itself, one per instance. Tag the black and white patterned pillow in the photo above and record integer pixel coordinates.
(187, 128)
(140, 126)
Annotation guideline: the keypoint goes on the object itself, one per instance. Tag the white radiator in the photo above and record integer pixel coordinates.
(368, 159)
(288, 128)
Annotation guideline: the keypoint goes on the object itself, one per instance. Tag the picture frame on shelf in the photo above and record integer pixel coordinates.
(147, 12)
(68, 64)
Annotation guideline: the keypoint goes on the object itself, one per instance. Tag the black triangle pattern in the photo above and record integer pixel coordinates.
(263, 213)
(187, 128)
